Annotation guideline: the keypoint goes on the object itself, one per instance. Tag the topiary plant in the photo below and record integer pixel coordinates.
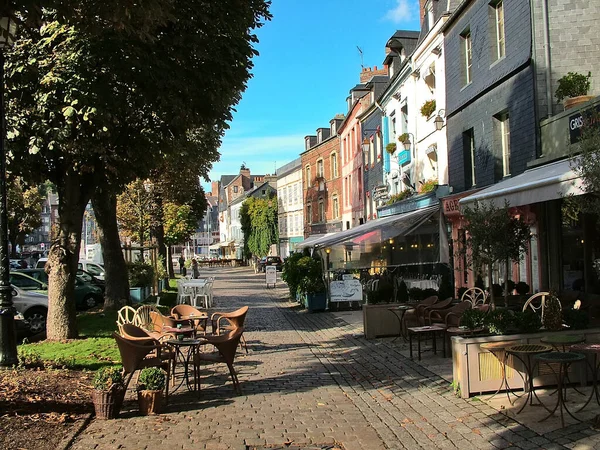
(522, 288)
(473, 318)
(576, 319)
(527, 321)
(573, 84)
(552, 313)
(499, 321)
(108, 377)
(152, 379)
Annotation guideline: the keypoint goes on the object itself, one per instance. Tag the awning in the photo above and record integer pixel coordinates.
(390, 226)
(312, 240)
(548, 182)
(214, 247)
(225, 244)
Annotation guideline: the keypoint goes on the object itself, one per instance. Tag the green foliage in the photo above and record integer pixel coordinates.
(522, 288)
(180, 223)
(311, 281)
(258, 217)
(494, 235)
(552, 313)
(576, 319)
(107, 376)
(585, 162)
(499, 321)
(404, 137)
(292, 273)
(473, 318)
(161, 268)
(573, 84)
(460, 292)
(428, 186)
(24, 206)
(141, 274)
(407, 193)
(446, 289)
(403, 296)
(152, 379)
(29, 358)
(428, 108)
(391, 148)
(527, 321)
(383, 294)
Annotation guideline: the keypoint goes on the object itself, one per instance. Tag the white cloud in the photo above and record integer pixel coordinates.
(401, 12)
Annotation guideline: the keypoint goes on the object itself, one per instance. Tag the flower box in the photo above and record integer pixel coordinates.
(379, 321)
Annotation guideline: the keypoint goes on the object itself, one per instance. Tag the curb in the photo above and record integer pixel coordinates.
(65, 444)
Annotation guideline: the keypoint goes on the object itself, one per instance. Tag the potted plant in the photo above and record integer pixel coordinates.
(292, 273)
(428, 185)
(391, 148)
(151, 383)
(404, 137)
(573, 89)
(312, 284)
(552, 314)
(108, 393)
(141, 277)
(428, 108)
(472, 319)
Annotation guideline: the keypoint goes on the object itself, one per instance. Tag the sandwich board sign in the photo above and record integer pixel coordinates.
(346, 290)
(271, 275)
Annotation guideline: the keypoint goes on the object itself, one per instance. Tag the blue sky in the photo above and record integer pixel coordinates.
(308, 62)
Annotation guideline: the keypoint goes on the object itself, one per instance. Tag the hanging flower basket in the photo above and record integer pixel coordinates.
(428, 108)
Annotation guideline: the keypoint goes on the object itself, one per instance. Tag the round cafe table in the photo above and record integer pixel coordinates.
(399, 312)
(498, 349)
(563, 340)
(191, 345)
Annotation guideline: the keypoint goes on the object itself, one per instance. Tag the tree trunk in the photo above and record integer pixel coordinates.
(117, 281)
(159, 233)
(170, 262)
(62, 262)
(491, 287)
(13, 245)
(506, 283)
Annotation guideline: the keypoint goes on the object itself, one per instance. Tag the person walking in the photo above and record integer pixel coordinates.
(181, 265)
(195, 271)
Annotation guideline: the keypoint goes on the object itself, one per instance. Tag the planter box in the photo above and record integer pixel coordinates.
(316, 302)
(139, 294)
(378, 321)
(476, 370)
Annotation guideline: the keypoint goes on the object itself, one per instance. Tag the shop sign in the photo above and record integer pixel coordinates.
(346, 290)
(271, 275)
(451, 206)
(586, 118)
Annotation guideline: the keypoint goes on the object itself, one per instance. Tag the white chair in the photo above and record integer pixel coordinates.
(209, 292)
(201, 295)
(187, 295)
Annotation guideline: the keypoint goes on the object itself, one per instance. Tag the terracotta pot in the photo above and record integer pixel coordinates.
(107, 404)
(150, 402)
(571, 102)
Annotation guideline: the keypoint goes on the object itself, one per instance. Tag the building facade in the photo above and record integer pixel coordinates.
(290, 208)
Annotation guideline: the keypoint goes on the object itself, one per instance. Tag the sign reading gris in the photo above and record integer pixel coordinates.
(586, 118)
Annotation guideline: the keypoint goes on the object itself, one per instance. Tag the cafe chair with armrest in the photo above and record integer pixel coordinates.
(226, 344)
(449, 316)
(411, 317)
(137, 355)
(187, 312)
(125, 315)
(423, 312)
(222, 321)
(133, 333)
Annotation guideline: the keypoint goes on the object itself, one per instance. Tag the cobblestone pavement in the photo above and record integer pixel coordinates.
(312, 380)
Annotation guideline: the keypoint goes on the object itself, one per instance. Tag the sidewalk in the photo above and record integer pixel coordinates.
(312, 379)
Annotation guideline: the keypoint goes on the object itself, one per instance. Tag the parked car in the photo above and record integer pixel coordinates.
(34, 307)
(270, 261)
(22, 326)
(94, 268)
(87, 295)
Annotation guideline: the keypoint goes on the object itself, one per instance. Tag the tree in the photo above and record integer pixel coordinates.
(494, 235)
(24, 210)
(259, 224)
(136, 211)
(585, 162)
(92, 107)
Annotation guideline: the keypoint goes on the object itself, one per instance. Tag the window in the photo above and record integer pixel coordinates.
(336, 207)
(505, 143)
(320, 171)
(469, 158)
(498, 38)
(264, 192)
(321, 210)
(235, 189)
(334, 166)
(295, 198)
(308, 181)
(467, 56)
(309, 213)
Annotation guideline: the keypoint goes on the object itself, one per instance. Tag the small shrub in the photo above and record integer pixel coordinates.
(428, 108)
(106, 376)
(400, 196)
(403, 292)
(576, 319)
(292, 273)
(29, 359)
(473, 318)
(61, 362)
(446, 290)
(552, 314)
(498, 291)
(152, 379)
(428, 186)
(499, 321)
(403, 138)
(527, 321)
(522, 288)
(391, 148)
(141, 274)
(573, 84)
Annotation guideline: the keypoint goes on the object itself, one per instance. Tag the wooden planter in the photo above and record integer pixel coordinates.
(475, 370)
(572, 102)
(107, 404)
(379, 321)
(150, 402)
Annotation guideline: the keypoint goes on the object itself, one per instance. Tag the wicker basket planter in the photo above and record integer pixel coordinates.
(150, 402)
(107, 404)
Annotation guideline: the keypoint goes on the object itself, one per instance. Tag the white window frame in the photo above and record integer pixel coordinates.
(499, 24)
(320, 168)
(308, 176)
(467, 44)
(505, 142)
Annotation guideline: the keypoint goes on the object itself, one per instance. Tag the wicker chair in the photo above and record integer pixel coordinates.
(137, 355)
(233, 320)
(227, 345)
(198, 319)
(412, 315)
(423, 312)
(475, 295)
(450, 316)
(143, 318)
(125, 315)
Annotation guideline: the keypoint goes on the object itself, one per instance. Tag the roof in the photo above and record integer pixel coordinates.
(289, 167)
(226, 179)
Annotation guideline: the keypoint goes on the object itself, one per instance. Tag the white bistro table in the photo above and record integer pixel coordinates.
(193, 283)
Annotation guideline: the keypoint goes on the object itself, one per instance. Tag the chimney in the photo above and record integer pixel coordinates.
(245, 171)
(368, 73)
(422, 11)
(215, 188)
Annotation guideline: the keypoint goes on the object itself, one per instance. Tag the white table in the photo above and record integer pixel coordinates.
(421, 284)
(193, 283)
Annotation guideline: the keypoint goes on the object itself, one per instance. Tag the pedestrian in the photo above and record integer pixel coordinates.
(181, 265)
(195, 271)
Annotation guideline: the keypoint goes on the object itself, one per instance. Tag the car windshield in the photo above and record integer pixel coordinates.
(94, 269)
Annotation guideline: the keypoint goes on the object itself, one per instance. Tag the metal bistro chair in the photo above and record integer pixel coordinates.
(537, 303)
(475, 295)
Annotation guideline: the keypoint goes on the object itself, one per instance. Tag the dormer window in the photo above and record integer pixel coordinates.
(429, 14)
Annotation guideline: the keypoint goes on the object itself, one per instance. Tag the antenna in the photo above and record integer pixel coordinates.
(362, 59)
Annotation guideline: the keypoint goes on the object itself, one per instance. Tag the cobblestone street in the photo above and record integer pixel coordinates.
(313, 380)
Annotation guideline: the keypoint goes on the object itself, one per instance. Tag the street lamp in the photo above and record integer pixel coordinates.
(439, 120)
(8, 337)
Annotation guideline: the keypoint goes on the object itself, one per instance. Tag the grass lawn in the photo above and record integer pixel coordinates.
(95, 347)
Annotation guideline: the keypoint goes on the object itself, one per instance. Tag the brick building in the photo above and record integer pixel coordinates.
(321, 180)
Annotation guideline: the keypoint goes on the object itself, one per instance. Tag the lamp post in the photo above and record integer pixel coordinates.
(8, 338)
(439, 120)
